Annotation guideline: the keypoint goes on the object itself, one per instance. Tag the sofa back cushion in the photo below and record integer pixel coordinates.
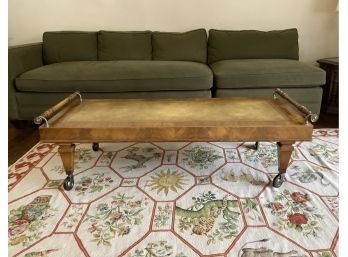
(252, 44)
(64, 46)
(121, 45)
(175, 46)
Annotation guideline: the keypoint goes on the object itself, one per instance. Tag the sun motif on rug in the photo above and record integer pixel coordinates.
(167, 180)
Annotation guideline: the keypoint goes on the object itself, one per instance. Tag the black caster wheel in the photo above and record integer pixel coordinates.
(95, 147)
(257, 144)
(68, 182)
(278, 180)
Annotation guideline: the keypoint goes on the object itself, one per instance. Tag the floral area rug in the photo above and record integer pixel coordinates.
(176, 199)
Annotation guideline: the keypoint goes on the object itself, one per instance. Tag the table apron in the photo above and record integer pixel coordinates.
(134, 134)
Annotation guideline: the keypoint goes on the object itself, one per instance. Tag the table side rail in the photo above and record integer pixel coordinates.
(252, 133)
(309, 116)
(51, 112)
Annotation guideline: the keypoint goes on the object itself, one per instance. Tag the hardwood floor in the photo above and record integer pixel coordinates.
(327, 120)
(21, 140)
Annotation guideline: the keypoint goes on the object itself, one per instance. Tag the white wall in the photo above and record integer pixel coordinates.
(316, 20)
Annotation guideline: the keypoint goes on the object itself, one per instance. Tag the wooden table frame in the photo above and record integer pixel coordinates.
(297, 129)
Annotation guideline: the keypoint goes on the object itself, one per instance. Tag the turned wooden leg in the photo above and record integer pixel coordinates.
(284, 153)
(67, 152)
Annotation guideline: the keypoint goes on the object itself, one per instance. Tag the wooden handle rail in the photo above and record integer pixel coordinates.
(308, 114)
(57, 108)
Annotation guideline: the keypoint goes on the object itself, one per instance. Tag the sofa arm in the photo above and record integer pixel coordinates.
(20, 59)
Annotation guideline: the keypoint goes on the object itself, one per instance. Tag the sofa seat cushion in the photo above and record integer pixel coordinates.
(116, 76)
(266, 73)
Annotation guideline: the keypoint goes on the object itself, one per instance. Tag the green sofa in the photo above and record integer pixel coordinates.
(107, 64)
(111, 64)
(254, 63)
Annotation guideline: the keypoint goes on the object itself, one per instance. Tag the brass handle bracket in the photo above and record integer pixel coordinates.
(308, 115)
(44, 117)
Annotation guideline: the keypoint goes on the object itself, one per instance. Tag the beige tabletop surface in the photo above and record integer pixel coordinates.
(147, 112)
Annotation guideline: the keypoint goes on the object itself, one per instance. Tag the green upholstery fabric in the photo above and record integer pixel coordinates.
(252, 44)
(309, 97)
(32, 104)
(116, 76)
(119, 45)
(63, 46)
(158, 64)
(20, 59)
(187, 46)
(266, 73)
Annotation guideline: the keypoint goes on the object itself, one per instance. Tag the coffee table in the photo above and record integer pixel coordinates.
(278, 118)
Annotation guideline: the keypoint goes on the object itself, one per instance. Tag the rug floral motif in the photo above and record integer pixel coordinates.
(177, 199)
(26, 221)
(294, 213)
(115, 219)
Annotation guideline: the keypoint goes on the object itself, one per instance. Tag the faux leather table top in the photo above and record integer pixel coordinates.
(172, 119)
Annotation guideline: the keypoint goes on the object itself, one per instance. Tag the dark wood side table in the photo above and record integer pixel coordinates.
(330, 89)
